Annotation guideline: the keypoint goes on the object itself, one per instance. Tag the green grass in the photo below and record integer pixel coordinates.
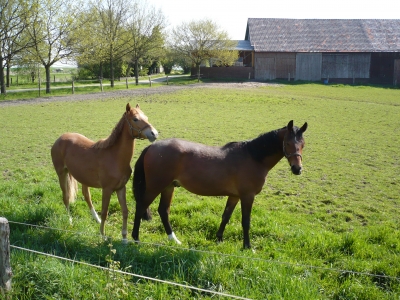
(308, 232)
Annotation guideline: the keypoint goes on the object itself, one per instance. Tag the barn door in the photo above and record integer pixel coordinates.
(308, 66)
(265, 68)
(396, 75)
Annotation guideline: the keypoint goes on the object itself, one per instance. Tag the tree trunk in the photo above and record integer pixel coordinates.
(2, 86)
(8, 74)
(198, 73)
(136, 72)
(101, 71)
(47, 67)
(112, 71)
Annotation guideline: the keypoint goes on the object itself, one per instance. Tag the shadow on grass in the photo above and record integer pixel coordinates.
(147, 260)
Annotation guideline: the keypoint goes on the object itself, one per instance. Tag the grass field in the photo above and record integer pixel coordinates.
(331, 233)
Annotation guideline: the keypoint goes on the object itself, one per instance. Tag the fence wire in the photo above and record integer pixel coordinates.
(225, 254)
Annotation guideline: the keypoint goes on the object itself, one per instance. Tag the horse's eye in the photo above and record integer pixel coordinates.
(135, 119)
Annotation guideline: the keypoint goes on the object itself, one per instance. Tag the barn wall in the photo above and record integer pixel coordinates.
(396, 77)
(345, 65)
(271, 65)
(382, 67)
(225, 72)
(308, 66)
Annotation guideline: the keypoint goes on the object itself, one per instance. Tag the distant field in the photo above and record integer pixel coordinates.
(331, 233)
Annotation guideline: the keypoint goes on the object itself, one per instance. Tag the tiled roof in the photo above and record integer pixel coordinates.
(244, 46)
(324, 35)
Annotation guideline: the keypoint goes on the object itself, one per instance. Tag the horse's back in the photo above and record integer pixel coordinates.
(201, 169)
(68, 145)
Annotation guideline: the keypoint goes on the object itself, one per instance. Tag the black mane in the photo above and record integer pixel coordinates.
(266, 144)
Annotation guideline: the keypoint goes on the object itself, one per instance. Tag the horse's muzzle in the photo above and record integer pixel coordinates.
(151, 134)
(296, 169)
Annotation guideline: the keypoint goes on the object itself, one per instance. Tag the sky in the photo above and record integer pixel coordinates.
(232, 15)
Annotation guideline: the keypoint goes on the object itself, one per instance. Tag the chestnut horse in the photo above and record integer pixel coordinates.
(105, 164)
(237, 170)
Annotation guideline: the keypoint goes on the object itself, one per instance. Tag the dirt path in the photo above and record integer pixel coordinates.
(125, 93)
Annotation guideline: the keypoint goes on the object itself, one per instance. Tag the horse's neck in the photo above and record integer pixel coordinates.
(271, 161)
(125, 145)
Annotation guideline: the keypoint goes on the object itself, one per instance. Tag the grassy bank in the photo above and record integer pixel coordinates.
(331, 233)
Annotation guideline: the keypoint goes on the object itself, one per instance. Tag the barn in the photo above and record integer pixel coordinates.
(339, 50)
(329, 50)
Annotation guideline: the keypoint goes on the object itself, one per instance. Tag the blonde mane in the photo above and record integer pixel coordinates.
(112, 139)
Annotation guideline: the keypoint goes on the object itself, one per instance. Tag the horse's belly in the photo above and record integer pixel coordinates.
(206, 186)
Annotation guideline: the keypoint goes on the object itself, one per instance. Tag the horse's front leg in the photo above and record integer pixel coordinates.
(246, 204)
(105, 201)
(229, 208)
(164, 210)
(121, 194)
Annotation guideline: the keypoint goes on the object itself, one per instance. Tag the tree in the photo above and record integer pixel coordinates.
(13, 14)
(92, 51)
(112, 16)
(52, 22)
(146, 40)
(203, 40)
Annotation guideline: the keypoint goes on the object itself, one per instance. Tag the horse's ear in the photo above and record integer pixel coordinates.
(304, 127)
(290, 125)
(128, 107)
(137, 105)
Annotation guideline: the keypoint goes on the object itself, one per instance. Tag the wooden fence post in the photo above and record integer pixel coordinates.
(150, 80)
(73, 88)
(5, 268)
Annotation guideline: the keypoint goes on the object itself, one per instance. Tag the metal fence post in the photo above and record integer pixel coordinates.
(5, 268)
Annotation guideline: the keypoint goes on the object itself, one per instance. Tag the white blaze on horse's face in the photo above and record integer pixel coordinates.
(294, 155)
(293, 145)
(140, 124)
(147, 131)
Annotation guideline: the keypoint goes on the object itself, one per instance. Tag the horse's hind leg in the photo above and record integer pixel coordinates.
(164, 209)
(88, 199)
(68, 187)
(230, 206)
(121, 194)
(141, 206)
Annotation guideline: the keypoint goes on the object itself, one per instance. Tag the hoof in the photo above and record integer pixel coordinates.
(124, 241)
(174, 238)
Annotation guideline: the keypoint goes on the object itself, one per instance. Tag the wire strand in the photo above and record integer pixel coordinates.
(228, 255)
(131, 274)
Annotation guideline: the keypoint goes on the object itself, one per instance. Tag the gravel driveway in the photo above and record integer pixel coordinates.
(139, 91)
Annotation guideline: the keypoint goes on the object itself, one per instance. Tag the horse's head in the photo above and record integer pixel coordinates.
(139, 125)
(293, 144)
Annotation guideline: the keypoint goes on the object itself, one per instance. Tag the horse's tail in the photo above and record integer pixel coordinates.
(71, 188)
(139, 183)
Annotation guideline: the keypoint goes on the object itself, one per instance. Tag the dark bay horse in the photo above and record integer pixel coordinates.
(237, 170)
(104, 164)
